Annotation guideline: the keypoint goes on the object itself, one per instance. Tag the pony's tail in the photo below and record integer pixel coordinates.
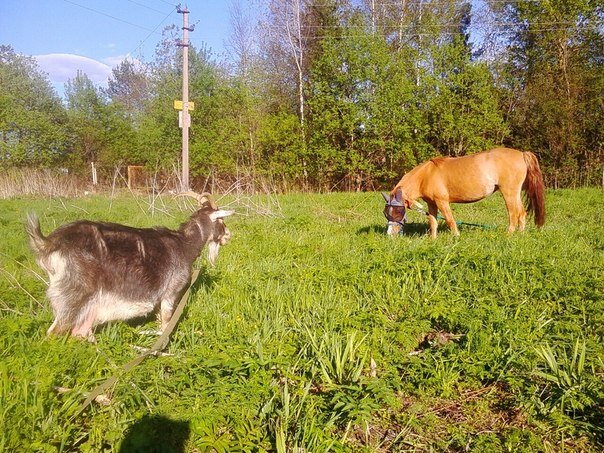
(534, 188)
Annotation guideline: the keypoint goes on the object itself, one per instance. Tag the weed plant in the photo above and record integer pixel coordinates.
(317, 332)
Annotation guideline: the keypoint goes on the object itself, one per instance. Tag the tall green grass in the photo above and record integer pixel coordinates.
(316, 332)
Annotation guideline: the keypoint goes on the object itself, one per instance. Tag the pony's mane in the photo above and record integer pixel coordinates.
(439, 160)
(415, 170)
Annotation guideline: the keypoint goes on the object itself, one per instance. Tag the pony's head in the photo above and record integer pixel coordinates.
(395, 213)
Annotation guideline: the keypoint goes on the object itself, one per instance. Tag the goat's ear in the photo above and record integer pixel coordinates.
(386, 197)
(220, 214)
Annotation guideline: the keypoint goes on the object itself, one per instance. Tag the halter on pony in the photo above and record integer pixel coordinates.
(397, 207)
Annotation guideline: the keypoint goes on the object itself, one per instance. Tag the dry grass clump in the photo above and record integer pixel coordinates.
(17, 182)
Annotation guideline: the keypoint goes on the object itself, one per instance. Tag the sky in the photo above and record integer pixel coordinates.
(96, 35)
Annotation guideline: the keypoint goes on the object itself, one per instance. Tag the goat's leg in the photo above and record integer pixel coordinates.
(166, 312)
(61, 323)
(56, 328)
(84, 325)
(164, 316)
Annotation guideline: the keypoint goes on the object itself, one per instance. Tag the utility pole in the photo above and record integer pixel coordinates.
(185, 116)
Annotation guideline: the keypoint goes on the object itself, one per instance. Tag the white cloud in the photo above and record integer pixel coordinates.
(115, 61)
(62, 67)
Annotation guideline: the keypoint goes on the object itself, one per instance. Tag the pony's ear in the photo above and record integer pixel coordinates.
(386, 197)
(398, 195)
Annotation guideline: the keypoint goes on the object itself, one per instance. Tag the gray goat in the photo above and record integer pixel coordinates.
(101, 272)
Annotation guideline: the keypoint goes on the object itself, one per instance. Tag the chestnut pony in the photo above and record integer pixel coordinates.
(467, 179)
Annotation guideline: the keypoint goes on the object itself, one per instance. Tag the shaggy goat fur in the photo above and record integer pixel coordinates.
(101, 272)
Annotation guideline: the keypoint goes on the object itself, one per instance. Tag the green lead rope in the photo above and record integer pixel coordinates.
(458, 222)
(158, 346)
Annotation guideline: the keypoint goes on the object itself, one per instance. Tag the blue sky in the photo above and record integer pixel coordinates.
(95, 35)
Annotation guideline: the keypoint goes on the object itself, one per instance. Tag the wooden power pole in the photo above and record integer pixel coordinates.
(185, 117)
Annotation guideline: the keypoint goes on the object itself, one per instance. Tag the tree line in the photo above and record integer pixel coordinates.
(334, 95)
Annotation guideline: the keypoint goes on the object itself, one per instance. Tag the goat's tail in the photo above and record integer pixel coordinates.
(535, 188)
(37, 241)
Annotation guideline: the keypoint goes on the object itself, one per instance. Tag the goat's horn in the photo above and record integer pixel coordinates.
(200, 198)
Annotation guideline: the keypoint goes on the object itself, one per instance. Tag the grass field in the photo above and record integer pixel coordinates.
(316, 332)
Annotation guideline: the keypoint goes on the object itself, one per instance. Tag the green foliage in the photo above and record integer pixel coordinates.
(282, 154)
(33, 124)
(340, 95)
(570, 386)
(552, 59)
(128, 87)
(338, 358)
(317, 331)
(364, 118)
(464, 113)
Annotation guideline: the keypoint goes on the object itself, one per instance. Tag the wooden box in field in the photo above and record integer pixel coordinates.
(137, 177)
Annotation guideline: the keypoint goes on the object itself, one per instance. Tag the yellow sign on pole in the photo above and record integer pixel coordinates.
(179, 105)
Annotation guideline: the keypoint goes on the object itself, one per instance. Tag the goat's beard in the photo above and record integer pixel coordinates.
(213, 248)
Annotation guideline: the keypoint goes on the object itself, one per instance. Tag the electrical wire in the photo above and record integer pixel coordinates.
(147, 7)
(109, 16)
(153, 31)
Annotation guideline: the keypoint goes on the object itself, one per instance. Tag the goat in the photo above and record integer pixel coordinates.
(102, 272)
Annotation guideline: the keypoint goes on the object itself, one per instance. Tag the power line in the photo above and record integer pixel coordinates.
(153, 31)
(147, 7)
(433, 2)
(446, 25)
(408, 33)
(109, 16)
(169, 3)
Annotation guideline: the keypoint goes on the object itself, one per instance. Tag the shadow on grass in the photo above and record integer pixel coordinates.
(422, 229)
(411, 229)
(155, 433)
(205, 280)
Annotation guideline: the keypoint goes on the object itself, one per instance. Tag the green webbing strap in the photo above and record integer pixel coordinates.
(159, 345)
(458, 222)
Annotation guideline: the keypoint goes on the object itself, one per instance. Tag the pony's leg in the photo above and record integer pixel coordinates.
(516, 211)
(521, 218)
(432, 221)
(445, 208)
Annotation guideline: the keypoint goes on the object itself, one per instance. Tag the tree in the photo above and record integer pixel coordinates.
(365, 121)
(554, 59)
(286, 47)
(33, 124)
(128, 86)
(102, 132)
(462, 103)
(87, 114)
